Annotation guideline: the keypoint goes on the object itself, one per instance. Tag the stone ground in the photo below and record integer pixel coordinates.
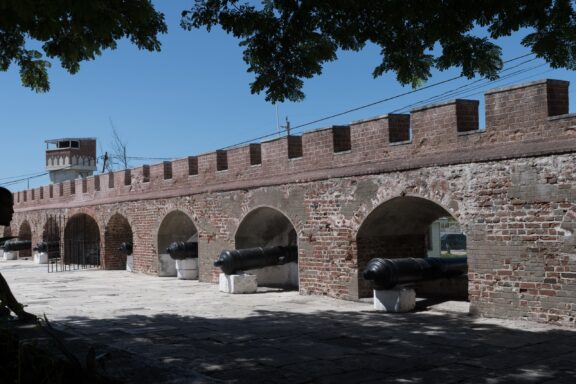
(275, 336)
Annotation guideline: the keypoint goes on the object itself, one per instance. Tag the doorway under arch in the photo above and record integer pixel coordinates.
(176, 226)
(51, 236)
(82, 241)
(25, 234)
(268, 227)
(116, 232)
(405, 227)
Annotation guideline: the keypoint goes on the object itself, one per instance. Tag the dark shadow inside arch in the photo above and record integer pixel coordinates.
(51, 236)
(25, 234)
(406, 227)
(176, 226)
(117, 231)
(82, 241)
(268, 227)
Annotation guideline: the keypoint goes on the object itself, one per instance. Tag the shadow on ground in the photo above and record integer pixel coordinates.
(342, 347)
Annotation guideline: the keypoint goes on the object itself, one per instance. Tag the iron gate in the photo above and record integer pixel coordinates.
(80, 248)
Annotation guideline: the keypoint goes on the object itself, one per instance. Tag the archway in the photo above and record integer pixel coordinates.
(176, 226)
(51, 236)
(82, 241)
(268, 227)
(117, 231)
(25, 234)
(6, 232)
(410, 226)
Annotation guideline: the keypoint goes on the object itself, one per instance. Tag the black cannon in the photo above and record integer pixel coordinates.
(388, 273)
(126, 248)
(180, 250)
(17, 245)
(47, 246)
(232, 261)
(5, 239)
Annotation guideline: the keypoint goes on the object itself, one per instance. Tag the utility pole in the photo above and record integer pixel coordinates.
(287, 126)
(105, 161)
(277, 121)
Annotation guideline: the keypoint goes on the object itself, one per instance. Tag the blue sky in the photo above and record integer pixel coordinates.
(194, 97)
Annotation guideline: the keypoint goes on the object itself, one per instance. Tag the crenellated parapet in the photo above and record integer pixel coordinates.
(523, 120)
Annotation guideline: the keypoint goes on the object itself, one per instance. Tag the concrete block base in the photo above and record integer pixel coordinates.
(130, 263)
(166, 266)
(395, 300)
(10, 256)
(40, 258)
(238, 283)
(285, 275)
(187, 269)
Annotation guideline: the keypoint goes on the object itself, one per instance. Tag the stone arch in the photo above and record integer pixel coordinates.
(116, 232)
(7, 231)
(399, 228)
(82, 240)
(25, 233)
(268, 227)
(51, 236)
(175, 226)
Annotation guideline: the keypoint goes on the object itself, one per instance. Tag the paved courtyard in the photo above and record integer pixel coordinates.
(281, 337)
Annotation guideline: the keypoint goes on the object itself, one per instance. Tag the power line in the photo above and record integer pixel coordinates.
(13, 177)
(475, 92)
(459, 91)
(149, 158)
(13, 182)
(27, 177)
(450, 93)
(366, 105)
(139, 157)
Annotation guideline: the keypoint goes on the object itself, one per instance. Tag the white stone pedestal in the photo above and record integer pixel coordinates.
(130, 263)
(40, 258)
(238, 283)
(283, 275)
(10, 255)
(187, 269)
(166, 266)
(395, 300)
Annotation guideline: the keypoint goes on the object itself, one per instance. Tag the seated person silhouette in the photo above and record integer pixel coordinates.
(7, 300)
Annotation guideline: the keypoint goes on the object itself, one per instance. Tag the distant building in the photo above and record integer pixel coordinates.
(70, 158)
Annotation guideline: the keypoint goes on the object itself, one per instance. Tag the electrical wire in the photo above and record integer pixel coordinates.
(13, 182)
(465, 88)
(365, 106)
(458, 91)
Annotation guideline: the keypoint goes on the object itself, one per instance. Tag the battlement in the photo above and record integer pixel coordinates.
(522, 120)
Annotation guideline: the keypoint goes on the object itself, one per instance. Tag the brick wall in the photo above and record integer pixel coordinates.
(116, 232)
(511, 186)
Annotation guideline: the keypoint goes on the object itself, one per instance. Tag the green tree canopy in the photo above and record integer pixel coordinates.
(71, 31)
(287, 41)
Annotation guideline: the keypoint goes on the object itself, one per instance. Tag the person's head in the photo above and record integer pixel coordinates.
(6, 206)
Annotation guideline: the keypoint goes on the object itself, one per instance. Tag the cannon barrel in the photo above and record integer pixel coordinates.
(5, 239)
(387, 273)
(233, 261)
(126, 248)
(17, 245)
(180, 250)
(47, 246)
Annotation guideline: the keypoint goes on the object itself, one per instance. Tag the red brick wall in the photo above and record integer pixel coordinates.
(116, 232)
(512, 188)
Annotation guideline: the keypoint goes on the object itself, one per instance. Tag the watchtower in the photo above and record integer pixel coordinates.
(70, 158)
